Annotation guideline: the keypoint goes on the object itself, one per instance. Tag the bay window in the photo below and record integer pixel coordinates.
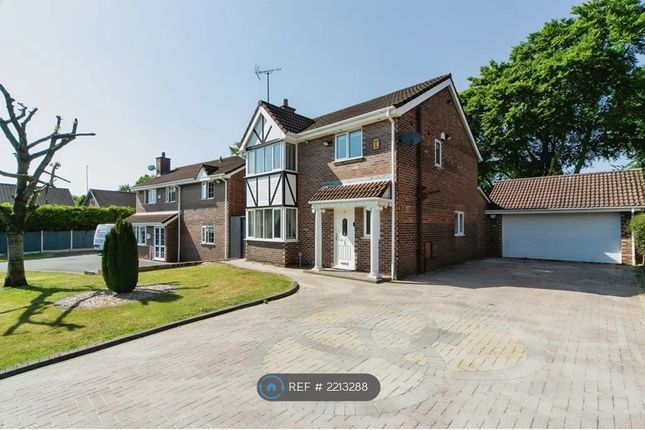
(270, 157)
(278, 224)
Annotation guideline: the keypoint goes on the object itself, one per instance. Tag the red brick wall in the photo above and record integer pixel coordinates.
(236, 195)
(446, 189)
(196, 213)
(161, 204)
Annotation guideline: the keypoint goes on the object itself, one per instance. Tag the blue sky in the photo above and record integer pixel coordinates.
(177, 76)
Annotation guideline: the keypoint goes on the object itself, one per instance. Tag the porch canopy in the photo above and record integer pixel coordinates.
(152, 218)
(373, 195)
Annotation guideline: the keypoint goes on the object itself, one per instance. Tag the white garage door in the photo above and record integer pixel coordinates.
(574, 237)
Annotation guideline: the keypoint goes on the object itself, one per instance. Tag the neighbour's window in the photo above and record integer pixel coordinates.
(150, 197)
(208, 235)
(438, 161)
(349, 145)
(367, 222)
(459, 223)
(171, 194)
(140, 234)
(208, 190)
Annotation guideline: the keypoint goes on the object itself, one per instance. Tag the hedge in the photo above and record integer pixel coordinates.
(63, 218)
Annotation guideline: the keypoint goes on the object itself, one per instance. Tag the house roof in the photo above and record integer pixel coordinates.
(152, 217)
(295, 123)
(363, 190)
(54, 196)
(105, 198)
(579, 191)
(224, 166)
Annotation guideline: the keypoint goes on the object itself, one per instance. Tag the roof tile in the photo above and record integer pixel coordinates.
(351, 191)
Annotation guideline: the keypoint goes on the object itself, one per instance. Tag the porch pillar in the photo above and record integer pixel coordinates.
(318, 240)
(375, 233)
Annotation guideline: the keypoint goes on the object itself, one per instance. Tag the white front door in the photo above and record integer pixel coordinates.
(344, 239)
(160, 243)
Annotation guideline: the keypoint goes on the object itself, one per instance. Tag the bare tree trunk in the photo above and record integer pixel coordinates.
(16, 264)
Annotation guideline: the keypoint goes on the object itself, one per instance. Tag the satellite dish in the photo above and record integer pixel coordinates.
(152, 167)
(411, 139)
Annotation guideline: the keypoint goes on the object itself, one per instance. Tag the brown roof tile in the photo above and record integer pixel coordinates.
(53, 196)
(105, 198)
(295, 123)
(579, 191)
(225, 165)
(351, 191)
(151, 217)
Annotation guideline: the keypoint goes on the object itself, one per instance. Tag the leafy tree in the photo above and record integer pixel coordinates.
(143, 178)
(29, 181)
(573, 93)
(126, 188)
(80, 200)
(637, 227)
(235, 148)
(120, 261)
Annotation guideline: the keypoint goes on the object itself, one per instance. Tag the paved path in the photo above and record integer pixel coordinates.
(73, 263)
(491, 343)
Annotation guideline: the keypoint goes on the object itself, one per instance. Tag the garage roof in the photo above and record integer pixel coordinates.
(624, 188)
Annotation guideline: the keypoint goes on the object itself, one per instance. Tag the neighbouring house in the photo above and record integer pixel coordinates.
(53, 196)
(191, 213)
(105, 198)
(387, 186)
(579, 217)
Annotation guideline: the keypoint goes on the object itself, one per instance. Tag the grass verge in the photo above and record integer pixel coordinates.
(32, 327)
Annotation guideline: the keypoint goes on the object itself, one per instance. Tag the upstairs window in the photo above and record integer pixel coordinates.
(459, 223)
(267, 158)
(438, 161)
(349, 145)
(150, 197)
(208, 190)
(171, 194)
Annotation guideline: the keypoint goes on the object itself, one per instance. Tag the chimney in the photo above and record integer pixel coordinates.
(163, 164)
(285, 106)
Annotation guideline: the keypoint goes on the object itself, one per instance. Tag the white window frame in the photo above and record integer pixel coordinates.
(367, 220)
(206, 188)
(169, 193)
(460, 223)
(138, 229)
(283, 224)
(346, 134)
(146, 196)
(251, 169)
(208, 230)
(438, 144)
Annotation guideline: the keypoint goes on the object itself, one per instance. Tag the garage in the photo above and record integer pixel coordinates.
(579, 217)
(589, 237)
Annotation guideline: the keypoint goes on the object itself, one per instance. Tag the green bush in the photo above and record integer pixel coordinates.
(63, 218)
(120, 261)
(637, 227)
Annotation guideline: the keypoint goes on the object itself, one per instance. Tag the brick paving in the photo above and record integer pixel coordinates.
(490, 343)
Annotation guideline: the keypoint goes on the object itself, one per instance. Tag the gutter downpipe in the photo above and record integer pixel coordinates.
(179, 223)
(633, 243)
(393, 273)
(226, 232)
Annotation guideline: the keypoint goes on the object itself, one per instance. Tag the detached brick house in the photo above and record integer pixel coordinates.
(581, 217)
(188, 213)
(387, 187)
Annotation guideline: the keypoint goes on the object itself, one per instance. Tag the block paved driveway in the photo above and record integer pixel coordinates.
(491, 343)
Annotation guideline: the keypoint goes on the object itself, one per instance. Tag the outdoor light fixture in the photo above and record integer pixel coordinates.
(326, 143)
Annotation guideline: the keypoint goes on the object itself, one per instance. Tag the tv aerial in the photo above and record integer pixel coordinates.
(266, 72)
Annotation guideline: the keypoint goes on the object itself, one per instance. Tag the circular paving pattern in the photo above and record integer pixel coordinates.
(409, 353)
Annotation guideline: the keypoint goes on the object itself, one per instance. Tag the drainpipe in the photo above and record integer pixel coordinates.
(178, 223)
(226, 233)
(419, 209)
(633, 243)
(393, 165)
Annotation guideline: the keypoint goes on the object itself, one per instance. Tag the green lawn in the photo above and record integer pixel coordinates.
(31, 327)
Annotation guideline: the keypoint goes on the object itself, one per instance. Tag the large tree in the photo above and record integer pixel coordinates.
(573, 93)
(30, 182)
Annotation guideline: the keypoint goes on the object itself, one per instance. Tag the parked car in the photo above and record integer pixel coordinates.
(99, 235)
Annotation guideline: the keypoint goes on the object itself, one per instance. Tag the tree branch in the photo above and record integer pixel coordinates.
(66, 138)
(9, 101)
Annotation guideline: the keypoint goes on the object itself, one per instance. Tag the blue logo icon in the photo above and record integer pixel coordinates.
(270, 387)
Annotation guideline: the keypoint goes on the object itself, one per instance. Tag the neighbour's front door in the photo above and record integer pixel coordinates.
(344, 239)
(160, 243)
